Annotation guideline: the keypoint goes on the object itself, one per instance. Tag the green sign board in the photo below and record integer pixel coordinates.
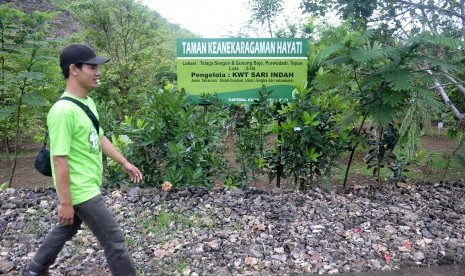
(235, 69)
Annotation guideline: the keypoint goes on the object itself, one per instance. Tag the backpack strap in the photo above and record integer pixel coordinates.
(86, 110)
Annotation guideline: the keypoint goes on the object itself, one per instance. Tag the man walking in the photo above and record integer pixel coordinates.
(76, 148)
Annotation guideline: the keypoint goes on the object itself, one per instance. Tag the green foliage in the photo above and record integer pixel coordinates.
(457, 157)
(381, 154)
(113, 172)
(355, 11)
(309, 137)
(417, 120)
(376, 77)
(265, 12)
(5, 186)
(253, 130)
(25, 75)
(381, 83)
(138, 44)
(231, 184)
(174, 141)
(6, 112)
(290, 29)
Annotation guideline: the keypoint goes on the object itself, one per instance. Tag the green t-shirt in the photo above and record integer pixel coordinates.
(72, 134)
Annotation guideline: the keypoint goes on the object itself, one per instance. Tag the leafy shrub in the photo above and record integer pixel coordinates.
(381, 154)
(253, 131)
(174, 141)
(309, 137)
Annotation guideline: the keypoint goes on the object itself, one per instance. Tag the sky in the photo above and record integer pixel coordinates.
(212, 18)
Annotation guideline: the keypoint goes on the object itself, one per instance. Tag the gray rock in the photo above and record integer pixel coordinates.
(418, 256)
(251, 232)
(279, 257)
(134, 192)
(6, 266)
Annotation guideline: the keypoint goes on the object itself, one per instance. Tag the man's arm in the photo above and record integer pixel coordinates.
(65, 208)
(110, 151)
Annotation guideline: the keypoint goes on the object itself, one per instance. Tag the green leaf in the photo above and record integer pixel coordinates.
(382, 114)
(5, 186)
(310, 119)
(370, 82)
(306, 117)
(363, 38)
(438, 62)
(289, 124)
(326, 80)
(30, 76)
(140, 123)
(457, 161)
(365, 55)
(392, 98)
(399, 79)
(446, 41)
(326, 52)
(394, 53)
(6, 112)
(173, 175)
(312, 154)
(196, 175)
(338, 60)
(35, 99)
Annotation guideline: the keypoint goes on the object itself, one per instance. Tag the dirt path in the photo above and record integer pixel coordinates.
(27, 176)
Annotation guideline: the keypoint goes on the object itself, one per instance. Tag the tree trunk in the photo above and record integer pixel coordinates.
(352, 152)
(18, 118)
(5, 130)
(455, 82)
(269, 28)
(462, 12)
(6, 145)
(458, 115)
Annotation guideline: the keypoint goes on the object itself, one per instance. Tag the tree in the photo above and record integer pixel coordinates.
(265, 12)
(9, 33)
(138, 45)
(381, 83)
(295, 29)
(356, 12)
(24, 58)
(396, 20)
(440, 17)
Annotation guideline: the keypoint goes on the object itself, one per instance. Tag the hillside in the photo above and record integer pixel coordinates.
(65, 24)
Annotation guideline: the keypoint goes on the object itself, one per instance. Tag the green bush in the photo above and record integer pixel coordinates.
(174, 141)
(253, 131)
(310, 138)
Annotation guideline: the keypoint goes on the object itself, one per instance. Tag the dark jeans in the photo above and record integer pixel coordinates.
(98, 218)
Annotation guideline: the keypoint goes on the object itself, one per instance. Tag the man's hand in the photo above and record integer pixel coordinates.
(110, 151)
(65, 208)
(65, 214)
(133, 171)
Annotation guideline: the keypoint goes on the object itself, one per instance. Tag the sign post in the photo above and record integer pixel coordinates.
(236, 68)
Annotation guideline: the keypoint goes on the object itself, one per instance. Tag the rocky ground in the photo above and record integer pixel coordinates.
(251, 232)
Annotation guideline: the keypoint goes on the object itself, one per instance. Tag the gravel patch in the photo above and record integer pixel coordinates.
(251, 232)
